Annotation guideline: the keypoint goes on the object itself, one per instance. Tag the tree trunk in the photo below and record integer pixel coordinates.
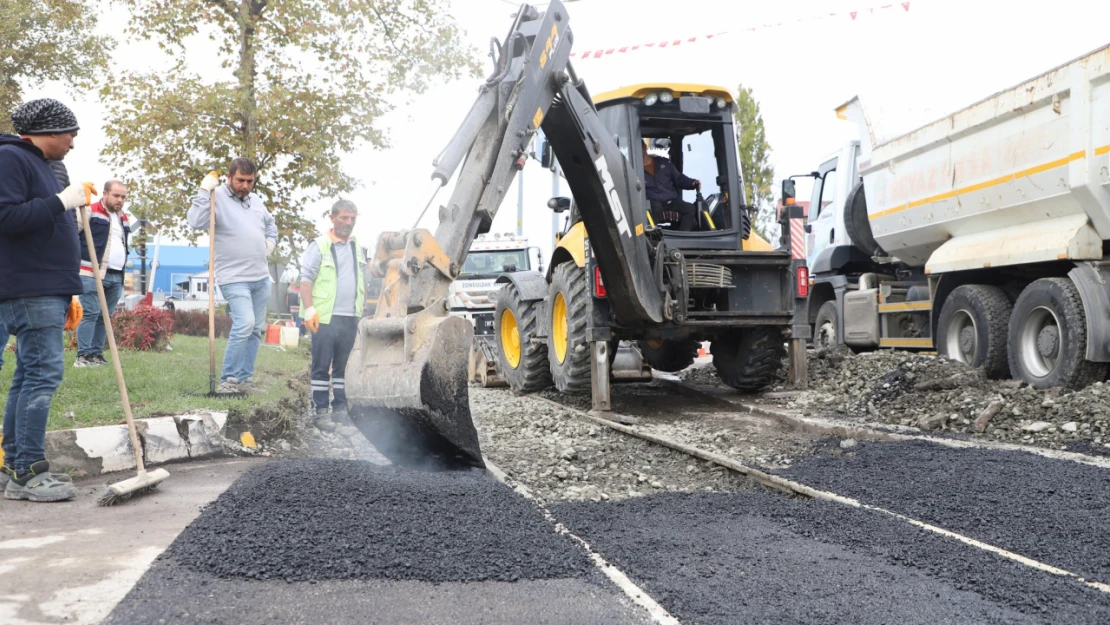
(246, 75)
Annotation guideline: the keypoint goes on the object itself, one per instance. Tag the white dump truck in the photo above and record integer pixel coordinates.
(981, 236)
(471, 295)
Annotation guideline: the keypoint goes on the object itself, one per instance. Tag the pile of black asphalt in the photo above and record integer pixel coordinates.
(762, 557)
(1053, 511)
(337, 541)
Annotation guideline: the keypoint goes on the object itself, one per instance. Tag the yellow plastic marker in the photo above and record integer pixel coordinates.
(248, 440)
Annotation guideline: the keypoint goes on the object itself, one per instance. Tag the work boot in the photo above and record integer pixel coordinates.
(230, 385)
(323, 420)
(7, 473)
(39, 485)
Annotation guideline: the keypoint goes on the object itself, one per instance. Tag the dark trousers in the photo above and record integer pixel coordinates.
(331, 346)
(687, 213)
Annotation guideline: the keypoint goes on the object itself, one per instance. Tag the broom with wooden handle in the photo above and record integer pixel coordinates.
(145, 481)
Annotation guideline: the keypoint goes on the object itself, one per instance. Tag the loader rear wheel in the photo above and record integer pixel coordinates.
(749, 360)
(520, 360)
(669, 356)
(568, 352)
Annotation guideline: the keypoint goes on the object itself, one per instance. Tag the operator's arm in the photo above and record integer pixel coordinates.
(682, 181)
(18, 216)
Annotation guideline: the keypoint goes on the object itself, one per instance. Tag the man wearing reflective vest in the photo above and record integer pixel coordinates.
(332, 270)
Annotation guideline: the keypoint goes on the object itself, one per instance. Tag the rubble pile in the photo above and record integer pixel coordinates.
(936, 394)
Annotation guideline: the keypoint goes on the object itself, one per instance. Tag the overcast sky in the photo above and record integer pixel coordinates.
(908, 66)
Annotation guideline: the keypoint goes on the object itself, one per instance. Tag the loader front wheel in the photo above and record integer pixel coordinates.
(669, 356)
(568, 352)
(522, 361)
(749, 360)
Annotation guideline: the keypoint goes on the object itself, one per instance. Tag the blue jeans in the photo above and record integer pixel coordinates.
(246, 303)
(91, 333)
(37, 324)
(4, 336)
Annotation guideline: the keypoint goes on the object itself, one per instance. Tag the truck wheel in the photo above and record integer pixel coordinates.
(520, 360)
(857, 225)
(749, 360)
(972, 328)
(669, 356)
(568, 352)
(824, 328)
(1048, 337)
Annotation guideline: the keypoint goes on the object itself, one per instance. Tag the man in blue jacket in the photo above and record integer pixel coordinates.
(41, 259)
(663, 184)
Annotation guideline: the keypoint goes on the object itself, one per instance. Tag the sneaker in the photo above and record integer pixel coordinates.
(230, 385)
(39, 485)
(99, 360)
(83, 361)
(249, 388)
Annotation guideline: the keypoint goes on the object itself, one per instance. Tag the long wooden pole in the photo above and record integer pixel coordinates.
(211, 293)
(106, 317)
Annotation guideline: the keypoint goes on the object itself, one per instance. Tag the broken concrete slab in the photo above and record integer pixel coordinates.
(107, 448)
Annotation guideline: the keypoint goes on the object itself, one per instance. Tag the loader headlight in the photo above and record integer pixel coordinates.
(721, 103)
(666, 97)
(651, 99)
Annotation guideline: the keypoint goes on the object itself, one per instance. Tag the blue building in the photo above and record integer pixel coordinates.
(175, 264)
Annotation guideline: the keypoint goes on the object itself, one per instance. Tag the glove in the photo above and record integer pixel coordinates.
(311, 319)
(269, 248)
(211, 181)
(74, 314)
(77, 195)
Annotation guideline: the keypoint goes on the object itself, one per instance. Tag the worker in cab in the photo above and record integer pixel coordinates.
(664, 185)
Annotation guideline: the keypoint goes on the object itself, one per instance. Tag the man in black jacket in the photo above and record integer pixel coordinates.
(41, 259)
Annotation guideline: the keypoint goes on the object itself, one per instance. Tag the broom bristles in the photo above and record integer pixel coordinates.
(138, 485)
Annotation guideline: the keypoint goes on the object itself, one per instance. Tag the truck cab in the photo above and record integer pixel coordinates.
(491, 255)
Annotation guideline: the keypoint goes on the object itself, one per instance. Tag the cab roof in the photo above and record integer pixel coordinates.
(641, 90)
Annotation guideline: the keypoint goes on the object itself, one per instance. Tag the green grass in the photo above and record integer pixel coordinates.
(160, 383)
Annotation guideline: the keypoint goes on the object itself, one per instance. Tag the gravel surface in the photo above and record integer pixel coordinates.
(946, 397)
(560, 456)
(302, 520)
(764, 558)
(1054, 511)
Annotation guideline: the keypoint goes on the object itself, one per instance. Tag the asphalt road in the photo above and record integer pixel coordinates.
(341, 541)
(1054, 511)
(70, 562)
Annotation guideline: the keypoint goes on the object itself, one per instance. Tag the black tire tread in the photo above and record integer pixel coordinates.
(826, 311)
(574, 374)
(532, 374)
(996, 309)
(673, 356)
(749, 360)
(1085, 372)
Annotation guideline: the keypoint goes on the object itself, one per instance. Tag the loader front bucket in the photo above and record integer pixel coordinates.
(407, 390)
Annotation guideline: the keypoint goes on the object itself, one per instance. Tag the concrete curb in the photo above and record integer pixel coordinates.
(107, 448)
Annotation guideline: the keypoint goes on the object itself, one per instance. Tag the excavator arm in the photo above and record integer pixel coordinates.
(407, 384)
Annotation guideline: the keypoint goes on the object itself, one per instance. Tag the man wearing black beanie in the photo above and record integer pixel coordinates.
(41, 258)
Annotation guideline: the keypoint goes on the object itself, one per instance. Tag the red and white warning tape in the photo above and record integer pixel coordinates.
(672, 43)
